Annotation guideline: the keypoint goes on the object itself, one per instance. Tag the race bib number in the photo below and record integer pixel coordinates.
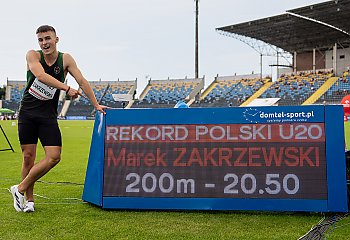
(42, 91)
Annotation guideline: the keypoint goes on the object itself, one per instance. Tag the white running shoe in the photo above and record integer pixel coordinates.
(28, 207)
(18, 199)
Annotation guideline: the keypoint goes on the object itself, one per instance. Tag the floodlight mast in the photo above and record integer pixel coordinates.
(196, 44)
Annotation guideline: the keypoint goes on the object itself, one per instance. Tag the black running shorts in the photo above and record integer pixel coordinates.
(32, 128)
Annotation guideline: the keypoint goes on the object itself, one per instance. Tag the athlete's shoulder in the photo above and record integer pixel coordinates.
(33, 53)
(66, 55)
(33, 56)
(68, 60)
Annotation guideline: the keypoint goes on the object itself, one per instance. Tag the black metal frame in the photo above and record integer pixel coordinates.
(8, 141)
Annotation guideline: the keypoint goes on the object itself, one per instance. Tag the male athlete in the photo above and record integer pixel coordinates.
(46, 73)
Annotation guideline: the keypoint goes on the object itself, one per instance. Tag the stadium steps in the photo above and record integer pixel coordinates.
(195, 91)
(257, 94)
(62, 96)
(327, 85)
(130, 103)
(191, 101)
(145, 91)
(209, 89)
(65, 108)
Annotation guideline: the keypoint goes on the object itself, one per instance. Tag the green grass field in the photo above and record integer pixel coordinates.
(61, 214)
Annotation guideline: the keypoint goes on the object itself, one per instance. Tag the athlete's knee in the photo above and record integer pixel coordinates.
(53, 160)
(53, 155)
(28, 158)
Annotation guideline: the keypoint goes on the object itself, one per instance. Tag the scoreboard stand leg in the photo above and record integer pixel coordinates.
(8, 141)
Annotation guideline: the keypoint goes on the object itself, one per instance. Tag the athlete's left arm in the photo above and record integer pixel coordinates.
(72, 68)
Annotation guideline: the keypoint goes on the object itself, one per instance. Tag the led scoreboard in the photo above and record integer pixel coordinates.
(257, 158)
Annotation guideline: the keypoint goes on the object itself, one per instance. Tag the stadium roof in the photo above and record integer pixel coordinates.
(317, 26)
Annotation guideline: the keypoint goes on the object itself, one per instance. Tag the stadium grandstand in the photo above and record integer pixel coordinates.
(166, 93)
(229, 91)
(13, 95)
(114, 94)
(296, 89)
(337, 91)
(316, 39)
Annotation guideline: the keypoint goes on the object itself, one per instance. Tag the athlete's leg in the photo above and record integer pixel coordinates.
(29, 154)
(52, 157)
(48, 132)
(28, 137)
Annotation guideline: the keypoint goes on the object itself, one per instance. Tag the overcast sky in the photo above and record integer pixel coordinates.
(129, 39)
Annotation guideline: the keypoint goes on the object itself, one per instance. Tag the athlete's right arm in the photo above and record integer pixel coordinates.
(34, 65)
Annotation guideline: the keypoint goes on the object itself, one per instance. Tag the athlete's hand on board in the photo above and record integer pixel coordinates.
(101, 108)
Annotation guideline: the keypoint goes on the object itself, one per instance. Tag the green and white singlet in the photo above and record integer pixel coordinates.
(38, 98)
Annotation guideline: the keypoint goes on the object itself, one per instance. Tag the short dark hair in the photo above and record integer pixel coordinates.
(45, 28)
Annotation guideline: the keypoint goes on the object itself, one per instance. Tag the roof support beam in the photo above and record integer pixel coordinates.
(295, 63)
(314, 60)
(319, 22)
(259, 46)
(335, 59)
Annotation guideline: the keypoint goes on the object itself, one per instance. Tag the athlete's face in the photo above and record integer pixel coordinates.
(47, 41)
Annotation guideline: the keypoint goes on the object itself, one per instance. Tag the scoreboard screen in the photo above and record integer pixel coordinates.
(261, 158)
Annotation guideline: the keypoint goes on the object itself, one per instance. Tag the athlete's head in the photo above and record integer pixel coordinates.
(47, 39)
(45, 28)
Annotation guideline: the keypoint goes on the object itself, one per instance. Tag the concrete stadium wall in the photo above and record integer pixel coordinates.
(304, 61)
(343, 59)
